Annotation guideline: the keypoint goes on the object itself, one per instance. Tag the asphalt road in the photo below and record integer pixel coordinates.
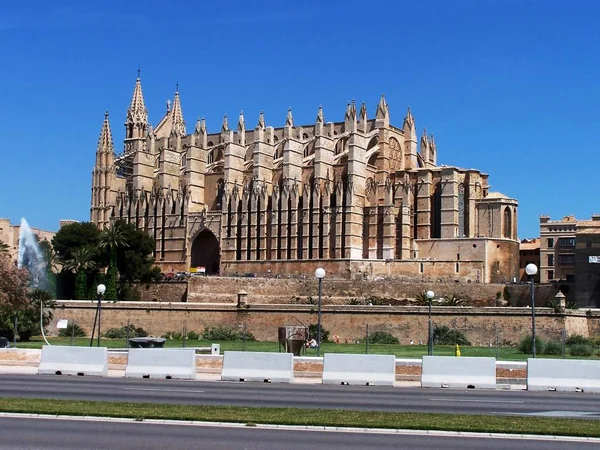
(52, 434)
(452, 401)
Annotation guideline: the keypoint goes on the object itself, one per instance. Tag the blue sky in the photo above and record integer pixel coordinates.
(509, 87)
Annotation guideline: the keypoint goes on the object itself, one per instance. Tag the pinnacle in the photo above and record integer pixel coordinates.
(137, 109)
(105, 141)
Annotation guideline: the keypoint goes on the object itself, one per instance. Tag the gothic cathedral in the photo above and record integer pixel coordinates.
(360, 198)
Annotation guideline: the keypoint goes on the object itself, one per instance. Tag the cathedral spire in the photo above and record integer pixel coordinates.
(178, 124)
(320, 118)
(289, 121)
(409, 121)
(225, 126)
(105, 144)
(136, 121)
(382, 109)
(261, 120)
(241, 126)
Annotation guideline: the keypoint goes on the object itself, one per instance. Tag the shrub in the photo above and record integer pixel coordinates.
(382, 337)
(354, 302)
(526, 345)
(224, 333)
(506, 293)
(444, 335)
(121, 333)
(576, 339)
(552, 348)
(172, 335)
(312, 332)
(581, 350)
(192, 335)
(72, 330)
(453, 300)
(130, 293)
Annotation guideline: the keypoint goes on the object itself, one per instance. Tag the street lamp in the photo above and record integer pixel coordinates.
(319, 275)
(430, 295)
(531, 269)
(101, 289)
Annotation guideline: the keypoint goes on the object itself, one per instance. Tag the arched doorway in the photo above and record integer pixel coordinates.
(205, 252)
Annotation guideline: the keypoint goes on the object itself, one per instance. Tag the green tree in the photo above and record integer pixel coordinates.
(81, 263)
(13, 283)
(73, 236)
(111, 239)
(135, 261)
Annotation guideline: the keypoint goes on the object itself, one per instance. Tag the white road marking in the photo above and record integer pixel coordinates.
(453, 400)
(163, 390)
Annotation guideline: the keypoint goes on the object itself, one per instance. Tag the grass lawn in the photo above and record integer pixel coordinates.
(315, 417)
(401, 351)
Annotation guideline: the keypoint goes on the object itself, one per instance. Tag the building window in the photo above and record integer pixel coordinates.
(551, 275)
(566, 260)
(588, 244)
(550, 242)
(550, 260)
(507, 223)
(571, 278)
(566, 242)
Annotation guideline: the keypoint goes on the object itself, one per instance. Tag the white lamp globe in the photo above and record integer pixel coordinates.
(101, 289)
(531, 269)
(320, 273)
(430, 295)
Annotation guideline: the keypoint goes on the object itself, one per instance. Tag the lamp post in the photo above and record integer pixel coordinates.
(101, 289)
(430, 295)
(319, 275)
(531, 269)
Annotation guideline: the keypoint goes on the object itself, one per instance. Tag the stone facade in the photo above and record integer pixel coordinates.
(359, 195)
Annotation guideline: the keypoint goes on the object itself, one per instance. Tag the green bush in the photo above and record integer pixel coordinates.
(577, 339)
(224, 333)
(526, 345)
(192, 335)
(121, 333)
(552, 348)
(444, 335)
(382, 337)
(172, 335)
(130, 293)
(581, 350)
(72, 330)
(312, 332)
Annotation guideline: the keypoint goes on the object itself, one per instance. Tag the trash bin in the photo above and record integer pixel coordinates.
(292, 338)
(4, 343)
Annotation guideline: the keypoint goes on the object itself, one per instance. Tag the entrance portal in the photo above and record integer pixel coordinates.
(205, 252)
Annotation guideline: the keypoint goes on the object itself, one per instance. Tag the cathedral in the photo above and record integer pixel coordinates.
(362, 198)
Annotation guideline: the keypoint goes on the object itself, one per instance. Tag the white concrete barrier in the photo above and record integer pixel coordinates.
(458, 372)
(215, 349)
(339, 368)
(63, 360)
(161, 363)
(258, 366)
(571, 375)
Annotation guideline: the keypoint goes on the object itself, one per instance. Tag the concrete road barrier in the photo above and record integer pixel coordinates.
(351, 369)
(161, 363)
(63, 360)
(569, 375)
(458, 372)
(258, 366)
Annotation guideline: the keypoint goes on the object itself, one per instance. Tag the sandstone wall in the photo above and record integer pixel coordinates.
(348, 322)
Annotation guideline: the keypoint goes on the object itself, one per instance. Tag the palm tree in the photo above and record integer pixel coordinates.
(3, 247)
(81, 262)
(421, 299)
(112, 238)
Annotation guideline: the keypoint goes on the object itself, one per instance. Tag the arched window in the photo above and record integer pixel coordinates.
(507, 223)
(461, 210)
(436, 212)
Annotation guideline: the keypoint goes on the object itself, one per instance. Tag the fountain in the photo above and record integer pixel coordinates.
(31, 257)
